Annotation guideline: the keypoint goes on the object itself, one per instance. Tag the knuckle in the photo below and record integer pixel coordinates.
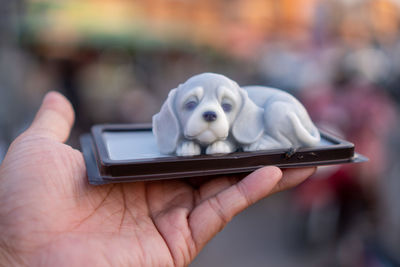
(218, 209)
(244, 194)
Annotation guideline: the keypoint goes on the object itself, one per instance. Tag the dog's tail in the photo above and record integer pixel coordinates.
(309, 134)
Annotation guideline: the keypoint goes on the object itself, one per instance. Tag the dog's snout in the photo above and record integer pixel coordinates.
(209, 116)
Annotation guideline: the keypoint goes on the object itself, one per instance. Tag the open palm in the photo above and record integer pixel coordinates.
(50, 215)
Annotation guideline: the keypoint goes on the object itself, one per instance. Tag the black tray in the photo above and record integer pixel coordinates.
(127, 152)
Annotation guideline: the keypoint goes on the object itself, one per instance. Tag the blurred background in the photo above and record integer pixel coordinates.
(116, 61)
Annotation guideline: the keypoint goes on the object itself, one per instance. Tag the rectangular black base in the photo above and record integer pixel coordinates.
(127, 153)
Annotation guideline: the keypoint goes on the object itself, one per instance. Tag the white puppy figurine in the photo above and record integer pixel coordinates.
(211, 113)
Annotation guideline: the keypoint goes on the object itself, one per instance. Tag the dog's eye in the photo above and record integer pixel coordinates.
(226, 107)
(190, 105)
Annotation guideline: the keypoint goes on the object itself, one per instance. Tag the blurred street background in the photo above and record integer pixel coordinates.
(116, 61)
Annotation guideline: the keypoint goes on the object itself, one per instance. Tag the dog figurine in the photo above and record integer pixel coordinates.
(211, 114)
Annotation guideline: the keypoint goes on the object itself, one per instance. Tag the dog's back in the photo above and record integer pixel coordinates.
(285, 118)
(260, 95)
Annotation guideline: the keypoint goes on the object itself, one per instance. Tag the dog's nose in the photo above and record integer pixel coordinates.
(209, 116)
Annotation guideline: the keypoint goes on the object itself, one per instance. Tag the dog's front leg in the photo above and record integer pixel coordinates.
(220, 147)
(188, 148)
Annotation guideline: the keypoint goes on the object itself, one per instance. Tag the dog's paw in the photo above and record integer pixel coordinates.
(188, 149)
(219, 147)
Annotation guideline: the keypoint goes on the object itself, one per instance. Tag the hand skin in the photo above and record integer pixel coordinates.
(51, 216)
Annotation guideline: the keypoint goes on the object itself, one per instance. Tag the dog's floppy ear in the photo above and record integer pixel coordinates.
(166, 126)
(249, 123)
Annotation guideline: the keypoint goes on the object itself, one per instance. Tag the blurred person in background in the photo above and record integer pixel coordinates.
(343, 204)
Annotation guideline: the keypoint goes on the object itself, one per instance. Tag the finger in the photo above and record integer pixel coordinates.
(54, 119)
(198, 182)
(293, 177)
(211, 215)
(214, 186)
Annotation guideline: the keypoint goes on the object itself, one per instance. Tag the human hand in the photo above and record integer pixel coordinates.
(50, 215)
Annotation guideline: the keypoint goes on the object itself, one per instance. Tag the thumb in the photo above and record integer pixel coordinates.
(54, 119)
